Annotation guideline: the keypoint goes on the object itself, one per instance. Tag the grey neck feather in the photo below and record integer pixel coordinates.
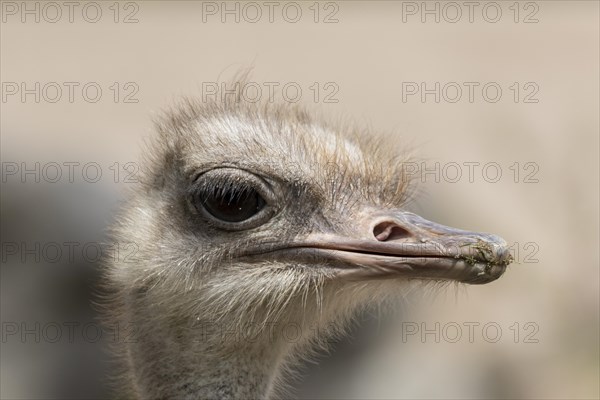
(205, 362)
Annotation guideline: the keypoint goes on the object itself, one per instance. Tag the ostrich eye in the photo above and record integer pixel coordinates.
(233, 199)
(232, 204)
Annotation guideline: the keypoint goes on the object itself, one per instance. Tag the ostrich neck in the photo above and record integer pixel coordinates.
(246, 372)
(206, 362)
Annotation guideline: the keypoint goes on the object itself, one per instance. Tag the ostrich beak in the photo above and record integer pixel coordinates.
(403, 244)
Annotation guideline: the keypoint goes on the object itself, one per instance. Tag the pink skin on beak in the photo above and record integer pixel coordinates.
(400, 243)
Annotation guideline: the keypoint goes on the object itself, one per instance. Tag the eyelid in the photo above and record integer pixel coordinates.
(270, 182)
(225, 172)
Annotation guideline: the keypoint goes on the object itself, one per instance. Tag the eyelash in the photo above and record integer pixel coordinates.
(235, 190)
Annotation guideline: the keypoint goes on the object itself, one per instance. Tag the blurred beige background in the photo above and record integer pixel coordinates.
(369, 55)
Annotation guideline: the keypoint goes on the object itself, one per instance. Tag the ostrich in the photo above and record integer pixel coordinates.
(261, 230)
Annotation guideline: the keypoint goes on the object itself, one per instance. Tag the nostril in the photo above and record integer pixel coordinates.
(389, 231)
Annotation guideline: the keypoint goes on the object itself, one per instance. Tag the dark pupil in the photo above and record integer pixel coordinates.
(232, 205)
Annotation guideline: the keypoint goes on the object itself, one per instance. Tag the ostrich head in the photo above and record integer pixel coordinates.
(260, 230)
